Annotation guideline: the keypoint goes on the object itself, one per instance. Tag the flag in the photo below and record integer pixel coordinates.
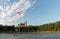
(19, 13)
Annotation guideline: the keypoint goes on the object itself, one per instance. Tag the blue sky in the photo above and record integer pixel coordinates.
(43, 11)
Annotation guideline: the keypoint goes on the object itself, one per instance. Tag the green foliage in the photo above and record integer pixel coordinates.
(6, 28)
(45, 27)
(29, 29)
(50, 27)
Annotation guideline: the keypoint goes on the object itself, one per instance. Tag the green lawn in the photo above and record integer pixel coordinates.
(42, 32)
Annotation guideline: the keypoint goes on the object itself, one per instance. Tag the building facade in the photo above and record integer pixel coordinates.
(23, 24)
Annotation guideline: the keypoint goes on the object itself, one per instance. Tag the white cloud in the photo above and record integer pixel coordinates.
(1, 7)
(10, 12)
(7, 0)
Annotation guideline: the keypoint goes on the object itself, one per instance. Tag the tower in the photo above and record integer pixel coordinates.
(25, 23)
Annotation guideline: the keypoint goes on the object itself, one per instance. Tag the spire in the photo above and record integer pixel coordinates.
(26, 23)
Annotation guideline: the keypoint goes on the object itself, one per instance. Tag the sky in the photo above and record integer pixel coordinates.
(35, 12)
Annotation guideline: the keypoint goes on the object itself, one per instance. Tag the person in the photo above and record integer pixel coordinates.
(15, 33)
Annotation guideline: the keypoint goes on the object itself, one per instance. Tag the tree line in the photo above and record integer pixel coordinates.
(45, 27)
(6, 28)
(50, 27)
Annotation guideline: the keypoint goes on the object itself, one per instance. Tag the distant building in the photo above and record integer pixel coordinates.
(23, 24)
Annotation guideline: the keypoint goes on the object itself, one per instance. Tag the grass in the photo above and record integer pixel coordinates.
(42, 32)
